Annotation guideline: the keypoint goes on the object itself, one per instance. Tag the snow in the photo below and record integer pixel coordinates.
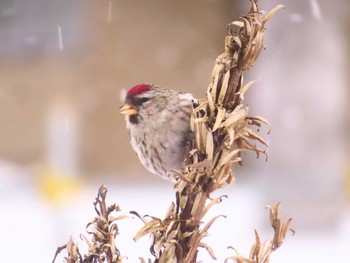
(38, 227)
(316, 10)
(60, 41)
(110, 11)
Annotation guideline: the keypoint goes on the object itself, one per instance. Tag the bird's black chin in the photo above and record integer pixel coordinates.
(134, 119)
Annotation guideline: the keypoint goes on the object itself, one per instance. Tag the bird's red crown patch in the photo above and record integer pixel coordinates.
(141, 88)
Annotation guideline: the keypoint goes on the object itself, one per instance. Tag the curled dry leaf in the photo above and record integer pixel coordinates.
(237, 258)
(209, 249)
(271, 14)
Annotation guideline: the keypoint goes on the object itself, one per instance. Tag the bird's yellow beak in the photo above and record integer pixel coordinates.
(128, 109)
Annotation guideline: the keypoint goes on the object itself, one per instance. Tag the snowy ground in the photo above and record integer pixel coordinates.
(32, 228)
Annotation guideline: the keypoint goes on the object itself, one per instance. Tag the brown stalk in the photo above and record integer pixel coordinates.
(222, 131)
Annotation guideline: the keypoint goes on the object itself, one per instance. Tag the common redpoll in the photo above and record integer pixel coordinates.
(158, 120)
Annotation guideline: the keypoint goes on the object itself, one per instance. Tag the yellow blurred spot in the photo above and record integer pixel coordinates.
(57, 187)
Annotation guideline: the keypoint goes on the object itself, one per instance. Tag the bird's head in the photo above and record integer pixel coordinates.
(142, 101)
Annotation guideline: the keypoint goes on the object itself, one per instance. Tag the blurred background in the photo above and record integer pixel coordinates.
(63, 67)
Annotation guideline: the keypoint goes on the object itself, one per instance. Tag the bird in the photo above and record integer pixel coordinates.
(158, 120)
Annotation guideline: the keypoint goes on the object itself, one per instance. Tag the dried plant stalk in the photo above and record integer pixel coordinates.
(222, 131)
(103, 230)
(261, 252)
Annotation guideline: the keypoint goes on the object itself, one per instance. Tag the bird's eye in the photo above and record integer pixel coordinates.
(143, 100)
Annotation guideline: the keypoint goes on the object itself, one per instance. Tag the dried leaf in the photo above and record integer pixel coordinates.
(228, 158)
(255, 136)
(209, 146)
(116, 218)
(246, 87)
(211, 204)
(196, 202)
(239, 113)
(223, 88)
(209, 249)
(279, 227)
(271, 14)
(182, 176)
(87, 241)
(237, 23)
(200, 165)
(212, 90)
(219, 117)
(211, 102)
(149, 227)
(204, 231)
(144, 260)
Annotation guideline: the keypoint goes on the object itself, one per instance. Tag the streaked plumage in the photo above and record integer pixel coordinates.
(158, 120)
